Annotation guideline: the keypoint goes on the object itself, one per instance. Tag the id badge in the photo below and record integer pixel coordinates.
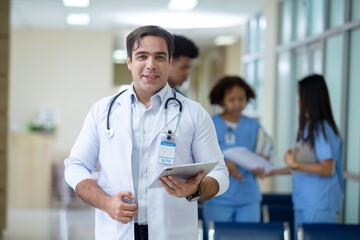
(230, 139)
(167, 151)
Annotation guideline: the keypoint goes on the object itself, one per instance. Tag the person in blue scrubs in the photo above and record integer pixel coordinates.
(318, 188)
(241, 202)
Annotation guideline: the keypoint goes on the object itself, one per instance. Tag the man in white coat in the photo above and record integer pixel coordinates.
(125, 136)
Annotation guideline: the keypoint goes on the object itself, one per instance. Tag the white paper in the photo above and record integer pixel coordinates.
(247, 159)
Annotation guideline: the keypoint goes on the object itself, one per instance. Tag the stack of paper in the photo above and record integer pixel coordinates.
(264, 145)
(247, 159)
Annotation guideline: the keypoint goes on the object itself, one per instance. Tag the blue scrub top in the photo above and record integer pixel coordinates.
(314, 192)
(239, 192)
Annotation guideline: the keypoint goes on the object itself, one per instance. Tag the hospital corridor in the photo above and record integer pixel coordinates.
(269, 92)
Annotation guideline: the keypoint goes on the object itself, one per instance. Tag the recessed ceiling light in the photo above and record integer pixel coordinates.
(76, 3)
(78, 19)
(182, 4)
(224, 40)
(181, 20)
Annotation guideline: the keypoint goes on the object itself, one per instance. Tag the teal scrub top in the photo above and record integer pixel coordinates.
(314, 192)
(239, 192)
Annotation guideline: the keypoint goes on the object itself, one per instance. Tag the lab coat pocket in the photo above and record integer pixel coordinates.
(104, 223)
(181, 215)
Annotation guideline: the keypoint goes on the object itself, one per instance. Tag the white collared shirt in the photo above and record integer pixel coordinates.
(142, 125)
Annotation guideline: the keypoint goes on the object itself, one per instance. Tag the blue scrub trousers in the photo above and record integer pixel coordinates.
(313, 216)
(221, 213)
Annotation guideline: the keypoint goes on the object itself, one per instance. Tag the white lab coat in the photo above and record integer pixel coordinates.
(168, 217)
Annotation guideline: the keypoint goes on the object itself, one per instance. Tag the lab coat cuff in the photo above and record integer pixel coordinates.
(75, 175)
(222, 179)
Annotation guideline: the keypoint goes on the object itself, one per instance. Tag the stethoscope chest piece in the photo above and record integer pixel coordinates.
(109, 133)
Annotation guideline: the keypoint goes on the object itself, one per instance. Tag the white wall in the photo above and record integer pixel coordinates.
(269, 95)
(65, 70)
(233, 59)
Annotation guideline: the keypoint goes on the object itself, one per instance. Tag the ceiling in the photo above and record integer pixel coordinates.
(122, 16)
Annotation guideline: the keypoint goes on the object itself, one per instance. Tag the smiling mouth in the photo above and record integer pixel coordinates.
(151, 76)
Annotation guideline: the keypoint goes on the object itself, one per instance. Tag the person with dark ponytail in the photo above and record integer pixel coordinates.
(318, 187)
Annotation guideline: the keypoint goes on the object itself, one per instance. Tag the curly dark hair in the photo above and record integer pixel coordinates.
(218, 92)
(184, 47)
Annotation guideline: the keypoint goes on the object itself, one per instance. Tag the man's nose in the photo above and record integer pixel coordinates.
(151, 64)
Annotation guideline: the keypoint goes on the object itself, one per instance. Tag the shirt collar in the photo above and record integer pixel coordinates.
(157, 97)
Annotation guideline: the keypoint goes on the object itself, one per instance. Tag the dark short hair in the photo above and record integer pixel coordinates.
(184, 47)
(150, 30)
(226, 83)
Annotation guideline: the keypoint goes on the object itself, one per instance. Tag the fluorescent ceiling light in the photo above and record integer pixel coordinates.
(182, 4)
(76, 3)
(224, 40)
(181, 20)
(119, 56)
(78, 19)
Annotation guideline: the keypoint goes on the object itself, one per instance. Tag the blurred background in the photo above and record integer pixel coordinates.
(57, 57)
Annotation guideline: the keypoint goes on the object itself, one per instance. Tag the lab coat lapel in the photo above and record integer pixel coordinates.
(125, 109)
(172, 115)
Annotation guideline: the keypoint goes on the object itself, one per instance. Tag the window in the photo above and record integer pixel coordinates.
(355, 10)
(285, 22)
(353, 141)
(316, 16)
(254, 65)
(333, 74)
(336, 13)
(283, 125)
(300, 19)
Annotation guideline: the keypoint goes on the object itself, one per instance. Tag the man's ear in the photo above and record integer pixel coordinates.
(128, 62)
(171, 60)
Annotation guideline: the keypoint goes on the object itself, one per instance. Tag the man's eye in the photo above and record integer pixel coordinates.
(160, 57)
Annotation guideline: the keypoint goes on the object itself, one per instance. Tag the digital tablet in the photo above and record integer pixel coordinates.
(306, 154)
(184, 172)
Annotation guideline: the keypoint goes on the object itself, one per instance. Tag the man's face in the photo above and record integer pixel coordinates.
(180, 71)
(149, 66)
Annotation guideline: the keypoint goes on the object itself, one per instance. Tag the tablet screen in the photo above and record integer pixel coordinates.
(184, 172)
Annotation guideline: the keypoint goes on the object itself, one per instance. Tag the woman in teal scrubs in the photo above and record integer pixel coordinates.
(318, 188)
(241, 202)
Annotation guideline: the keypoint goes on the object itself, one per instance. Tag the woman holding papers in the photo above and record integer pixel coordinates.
(241, 202)
(318, 187)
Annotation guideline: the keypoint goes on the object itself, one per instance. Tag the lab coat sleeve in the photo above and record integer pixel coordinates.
(84, 154)
(206, 148)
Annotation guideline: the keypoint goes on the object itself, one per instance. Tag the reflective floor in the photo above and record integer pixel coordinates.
(75, 223)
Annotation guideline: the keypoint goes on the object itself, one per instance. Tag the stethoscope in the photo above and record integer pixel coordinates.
(109, 132)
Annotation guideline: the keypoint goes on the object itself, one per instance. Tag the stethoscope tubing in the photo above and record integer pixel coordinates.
(109, 111)
(109, 132)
